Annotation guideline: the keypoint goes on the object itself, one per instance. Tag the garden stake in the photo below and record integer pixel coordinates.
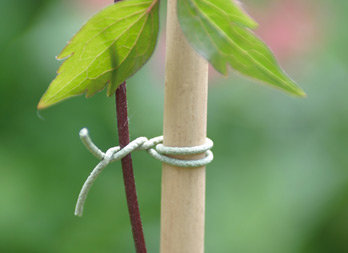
(185, 116)
(113, 45)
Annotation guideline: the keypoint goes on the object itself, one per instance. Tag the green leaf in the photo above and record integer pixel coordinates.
(109, 48)
(218, 30)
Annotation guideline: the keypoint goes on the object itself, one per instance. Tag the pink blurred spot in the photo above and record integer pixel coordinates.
(289, 27)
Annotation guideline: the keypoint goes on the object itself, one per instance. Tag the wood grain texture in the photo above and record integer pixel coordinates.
(185, 116)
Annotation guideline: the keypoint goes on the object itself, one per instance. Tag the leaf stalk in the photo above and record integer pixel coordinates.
(127, 169)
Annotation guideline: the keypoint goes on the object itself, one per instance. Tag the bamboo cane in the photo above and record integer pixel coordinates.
(185, 115)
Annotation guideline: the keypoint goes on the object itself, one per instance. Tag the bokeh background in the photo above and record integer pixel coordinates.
(279, 182)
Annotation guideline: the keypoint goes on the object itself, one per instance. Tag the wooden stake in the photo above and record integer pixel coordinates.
(185, 115)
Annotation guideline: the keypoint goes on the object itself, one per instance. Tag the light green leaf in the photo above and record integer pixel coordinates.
(218, 30)
(109, 48)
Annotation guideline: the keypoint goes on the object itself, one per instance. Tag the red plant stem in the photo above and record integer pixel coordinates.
(127, 169)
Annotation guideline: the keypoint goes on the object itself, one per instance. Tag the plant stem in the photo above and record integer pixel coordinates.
(127, 169)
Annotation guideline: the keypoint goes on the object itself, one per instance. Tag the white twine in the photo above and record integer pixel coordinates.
(153, 146)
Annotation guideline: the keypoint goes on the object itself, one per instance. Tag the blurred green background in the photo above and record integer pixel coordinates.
(279, 182)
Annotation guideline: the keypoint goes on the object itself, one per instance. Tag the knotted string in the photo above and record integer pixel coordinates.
(153, 146)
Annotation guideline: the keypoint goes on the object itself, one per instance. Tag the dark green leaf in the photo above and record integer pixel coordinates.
(109, 48)
(218, 30)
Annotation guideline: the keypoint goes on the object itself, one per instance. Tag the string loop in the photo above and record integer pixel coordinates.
(153, 146)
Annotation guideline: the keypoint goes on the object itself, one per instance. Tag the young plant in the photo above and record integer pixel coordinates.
(115, 43)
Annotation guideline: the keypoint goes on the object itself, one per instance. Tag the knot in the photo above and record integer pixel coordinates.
(153, 146)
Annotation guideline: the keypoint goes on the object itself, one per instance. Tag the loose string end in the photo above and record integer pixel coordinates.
(91, 147)
(78, 212)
